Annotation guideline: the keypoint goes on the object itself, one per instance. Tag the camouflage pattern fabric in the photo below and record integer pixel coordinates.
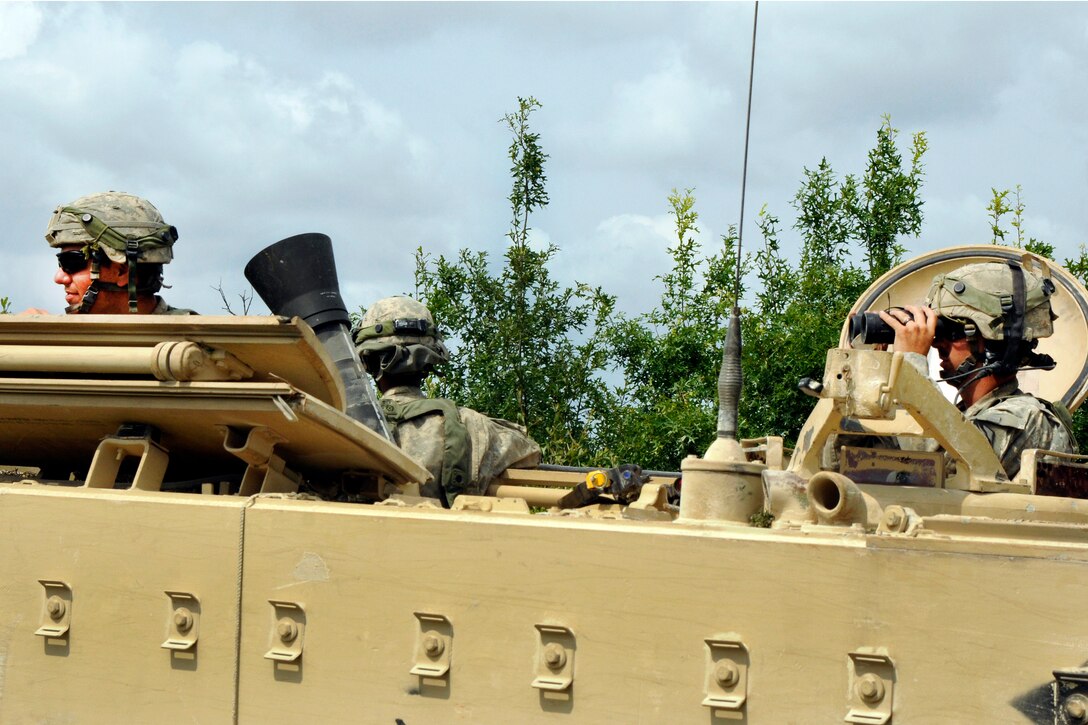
(161, 308)
(1014, 421)
(496, 444)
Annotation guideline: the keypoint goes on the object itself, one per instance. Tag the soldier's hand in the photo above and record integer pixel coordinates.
(914, 332)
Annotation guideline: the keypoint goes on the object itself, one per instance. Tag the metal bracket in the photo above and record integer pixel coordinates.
(266, 472)
(183, 622)
(555, 658)
(726, 673)
(1071, 696)
(871, 681)
(111, 451)
(434, 646)
(288, 631)
(56, 616)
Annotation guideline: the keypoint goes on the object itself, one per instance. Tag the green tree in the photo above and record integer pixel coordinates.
(800, 308)
(850, 233)
(666, 406)
(524, 347)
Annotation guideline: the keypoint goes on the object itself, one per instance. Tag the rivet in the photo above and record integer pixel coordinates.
(554, 656)
(1076, 708)
(959, 287)
(55, 606)
(726, 674)
(183, 619)
(432, 644)
(287, 630)
(86, 217)
(870, 688)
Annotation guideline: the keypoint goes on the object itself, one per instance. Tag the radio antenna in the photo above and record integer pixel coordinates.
(730, 377)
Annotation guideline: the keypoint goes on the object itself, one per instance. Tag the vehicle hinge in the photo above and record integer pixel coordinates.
(726, 673)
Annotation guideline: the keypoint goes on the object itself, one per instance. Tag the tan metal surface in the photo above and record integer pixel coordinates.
(61, 421)
(800, 602)
(279, 349)
(119, 553)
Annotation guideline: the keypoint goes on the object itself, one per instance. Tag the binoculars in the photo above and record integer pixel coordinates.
(873, 330)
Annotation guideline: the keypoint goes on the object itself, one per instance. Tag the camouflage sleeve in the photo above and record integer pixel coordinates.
(497, 445)
(1017, 424)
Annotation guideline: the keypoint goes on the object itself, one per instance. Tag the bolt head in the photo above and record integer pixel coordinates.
(56, 607)
(183, 619)
(287, 630)
(870, 688)
(432, 644)
(1076, 708)
(726, 674)
(554, 656)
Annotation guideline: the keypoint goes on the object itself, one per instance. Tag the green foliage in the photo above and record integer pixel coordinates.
(799, 312)
(666, 407)
(524, 348)
(670, 357)
(999, 207)
(5, 305)
(1078, 267)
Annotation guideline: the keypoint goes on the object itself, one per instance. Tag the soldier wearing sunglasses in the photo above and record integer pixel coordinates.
(112, 248)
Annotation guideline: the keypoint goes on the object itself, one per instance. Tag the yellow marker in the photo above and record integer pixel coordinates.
(596, 479)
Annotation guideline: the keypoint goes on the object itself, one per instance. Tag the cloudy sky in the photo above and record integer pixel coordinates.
(378, 124)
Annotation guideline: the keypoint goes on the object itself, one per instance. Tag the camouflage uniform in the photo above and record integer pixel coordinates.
(493, 444)
(1014, 421)
(464, 450)
(161, 308)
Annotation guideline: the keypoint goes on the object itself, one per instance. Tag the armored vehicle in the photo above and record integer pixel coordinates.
(194, 530)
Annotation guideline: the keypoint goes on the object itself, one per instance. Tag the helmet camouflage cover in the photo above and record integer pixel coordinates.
(115, 223)
(398, 335)
(978, 295)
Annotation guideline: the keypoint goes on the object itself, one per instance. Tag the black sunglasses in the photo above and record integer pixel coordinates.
(72, 261)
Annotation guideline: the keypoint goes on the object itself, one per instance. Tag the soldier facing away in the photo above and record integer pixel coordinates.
(464, 450)
(113, 247)
(993, 314)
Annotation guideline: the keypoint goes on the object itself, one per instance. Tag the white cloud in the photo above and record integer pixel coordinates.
(664, 113)
(19, 26)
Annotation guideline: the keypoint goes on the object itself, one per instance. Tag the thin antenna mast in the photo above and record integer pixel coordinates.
(744, 169)
(730, 378)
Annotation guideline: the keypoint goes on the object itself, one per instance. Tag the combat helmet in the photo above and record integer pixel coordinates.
(120, 227)
(397, 335)
(1003, 303)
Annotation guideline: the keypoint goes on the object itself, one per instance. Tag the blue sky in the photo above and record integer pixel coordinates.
(378, 124)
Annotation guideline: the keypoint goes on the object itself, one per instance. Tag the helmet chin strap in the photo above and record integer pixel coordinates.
(97, 285)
